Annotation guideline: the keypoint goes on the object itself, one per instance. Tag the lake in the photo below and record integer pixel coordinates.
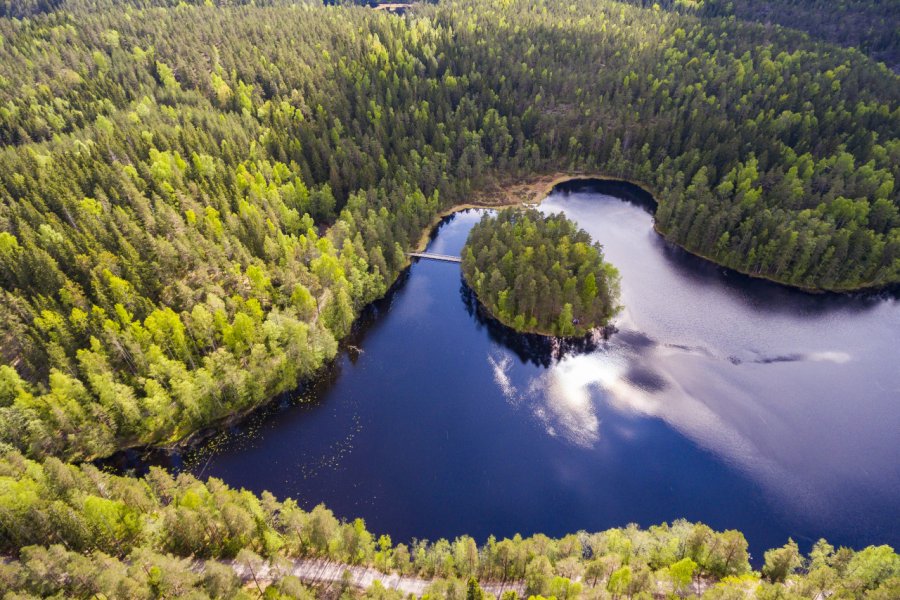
(722, 399)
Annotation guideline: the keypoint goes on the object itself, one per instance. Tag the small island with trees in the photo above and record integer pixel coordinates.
(540, 274)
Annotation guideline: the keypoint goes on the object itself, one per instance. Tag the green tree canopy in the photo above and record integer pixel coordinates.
(539, 273)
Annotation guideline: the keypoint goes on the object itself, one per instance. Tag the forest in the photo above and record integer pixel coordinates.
(80, 532)
(540, 274)
(198, 198)
(869, 26)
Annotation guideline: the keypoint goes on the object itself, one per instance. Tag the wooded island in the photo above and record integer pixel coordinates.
(540, 274)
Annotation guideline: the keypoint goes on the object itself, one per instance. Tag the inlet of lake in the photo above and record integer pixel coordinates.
(723, 399)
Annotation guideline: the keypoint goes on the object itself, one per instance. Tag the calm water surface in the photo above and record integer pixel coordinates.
(727, 400)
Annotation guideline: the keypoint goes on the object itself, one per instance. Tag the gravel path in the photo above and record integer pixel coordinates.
(317, 571)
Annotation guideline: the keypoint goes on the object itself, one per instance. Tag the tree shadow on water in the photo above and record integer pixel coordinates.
(540, 350)
(760, 295)
(230, 435)
(767, 297)
(623, 190)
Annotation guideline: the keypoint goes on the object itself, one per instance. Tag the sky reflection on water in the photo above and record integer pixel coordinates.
(736, 402)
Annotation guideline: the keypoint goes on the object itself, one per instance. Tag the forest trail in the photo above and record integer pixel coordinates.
(317, 571)
(326, 572)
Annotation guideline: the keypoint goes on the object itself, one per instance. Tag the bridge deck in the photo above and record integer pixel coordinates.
(432, 256)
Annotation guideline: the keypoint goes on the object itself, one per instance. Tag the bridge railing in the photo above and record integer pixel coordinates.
(434, 256)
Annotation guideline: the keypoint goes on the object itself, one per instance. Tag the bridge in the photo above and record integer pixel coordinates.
(432, 256)
(393, 7)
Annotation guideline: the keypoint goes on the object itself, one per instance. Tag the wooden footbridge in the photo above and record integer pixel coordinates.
(433, 256)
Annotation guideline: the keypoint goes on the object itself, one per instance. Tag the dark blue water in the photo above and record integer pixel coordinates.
(721, 399)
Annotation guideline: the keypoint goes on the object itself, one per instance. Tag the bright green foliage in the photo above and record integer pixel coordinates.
(185, 232)
(782, 562)
(197, 198)
(681, 574)
(540, 273)
(863, 24)
(619, 581)
(473, 590)
(537, 576)
(54, 571)
(94, 531)
(563, 588)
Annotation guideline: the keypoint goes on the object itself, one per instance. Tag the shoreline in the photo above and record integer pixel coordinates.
(503, 196)
(528, 192)
(537, 189)
(868, 288)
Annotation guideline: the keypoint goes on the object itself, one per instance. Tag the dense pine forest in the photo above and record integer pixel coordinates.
(869, 26)
(198, 198)
(540, 274)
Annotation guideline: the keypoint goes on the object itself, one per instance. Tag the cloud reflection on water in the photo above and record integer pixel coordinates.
(560, 398)
(565, 403)
(500, 365)
(635, 375)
